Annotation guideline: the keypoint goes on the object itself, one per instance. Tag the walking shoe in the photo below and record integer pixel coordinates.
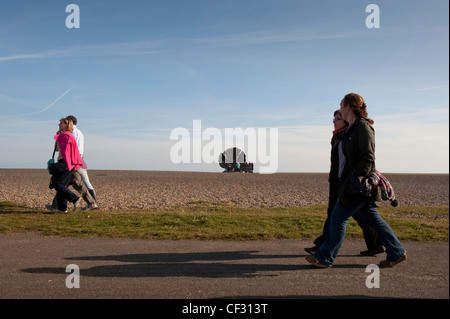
(313, 261)
(389, 264)
(90, 207)
(94, 195)
(311, 250)
(372, 252)
(56, 210)
(76, 205)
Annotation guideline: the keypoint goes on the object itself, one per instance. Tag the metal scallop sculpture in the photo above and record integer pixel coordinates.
(234, 160)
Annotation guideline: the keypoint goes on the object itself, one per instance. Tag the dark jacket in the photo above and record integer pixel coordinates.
(358, 145)
(334, 159)
(333, 177)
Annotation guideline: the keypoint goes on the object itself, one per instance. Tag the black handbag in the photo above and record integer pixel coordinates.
(360, 186)
(58, 167)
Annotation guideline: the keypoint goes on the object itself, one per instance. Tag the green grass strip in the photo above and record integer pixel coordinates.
(216, 221)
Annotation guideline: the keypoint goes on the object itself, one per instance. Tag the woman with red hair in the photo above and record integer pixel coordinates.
(356, 159)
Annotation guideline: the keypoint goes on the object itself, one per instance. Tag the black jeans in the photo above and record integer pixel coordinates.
(63, 194)
(78, 185)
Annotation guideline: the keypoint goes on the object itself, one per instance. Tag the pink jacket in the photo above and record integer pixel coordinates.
(68, 150)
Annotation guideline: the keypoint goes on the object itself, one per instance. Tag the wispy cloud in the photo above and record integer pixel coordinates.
(51, 104)
(275, 36)
(280, 35)
(45, 108)
(431, 88)
(14, 100)
(39, 55)
(132, 48)
(300, 33)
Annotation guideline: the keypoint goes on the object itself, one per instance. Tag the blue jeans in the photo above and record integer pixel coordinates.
(340, 215)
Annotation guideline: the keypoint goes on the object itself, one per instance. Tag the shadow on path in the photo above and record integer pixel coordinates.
(205, 265)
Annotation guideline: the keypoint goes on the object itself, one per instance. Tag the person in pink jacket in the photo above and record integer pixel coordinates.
(70, 155)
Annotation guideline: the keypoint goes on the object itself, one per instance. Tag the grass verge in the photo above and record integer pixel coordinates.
(216, 221)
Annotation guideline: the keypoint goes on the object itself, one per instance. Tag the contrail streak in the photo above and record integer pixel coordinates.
(43, 110)
(51, 104)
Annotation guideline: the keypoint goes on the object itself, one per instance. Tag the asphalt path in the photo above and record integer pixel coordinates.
(36, 267)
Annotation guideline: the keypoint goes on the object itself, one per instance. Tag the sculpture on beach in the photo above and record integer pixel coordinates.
(234, 160)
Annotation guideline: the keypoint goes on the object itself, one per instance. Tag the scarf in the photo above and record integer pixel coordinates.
(386, 190)
(69, 150)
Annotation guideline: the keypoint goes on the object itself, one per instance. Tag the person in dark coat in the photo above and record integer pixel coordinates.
(356, 151)
(370, 236)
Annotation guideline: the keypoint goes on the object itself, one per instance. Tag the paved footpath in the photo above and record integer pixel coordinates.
(34, 266)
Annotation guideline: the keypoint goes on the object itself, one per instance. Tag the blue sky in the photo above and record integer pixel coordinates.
(136, 70)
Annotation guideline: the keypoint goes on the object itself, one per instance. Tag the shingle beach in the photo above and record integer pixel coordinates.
(149, 189)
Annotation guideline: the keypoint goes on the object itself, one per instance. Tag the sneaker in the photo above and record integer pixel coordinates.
(49, 207)
(390, 264)
(90, 207)
(311, 250)
(56, 210)
(76, 205)
(313, 261)
(372, 252)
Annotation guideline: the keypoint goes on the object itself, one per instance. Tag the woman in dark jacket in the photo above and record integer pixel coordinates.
(356, 158)
(370, 236)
